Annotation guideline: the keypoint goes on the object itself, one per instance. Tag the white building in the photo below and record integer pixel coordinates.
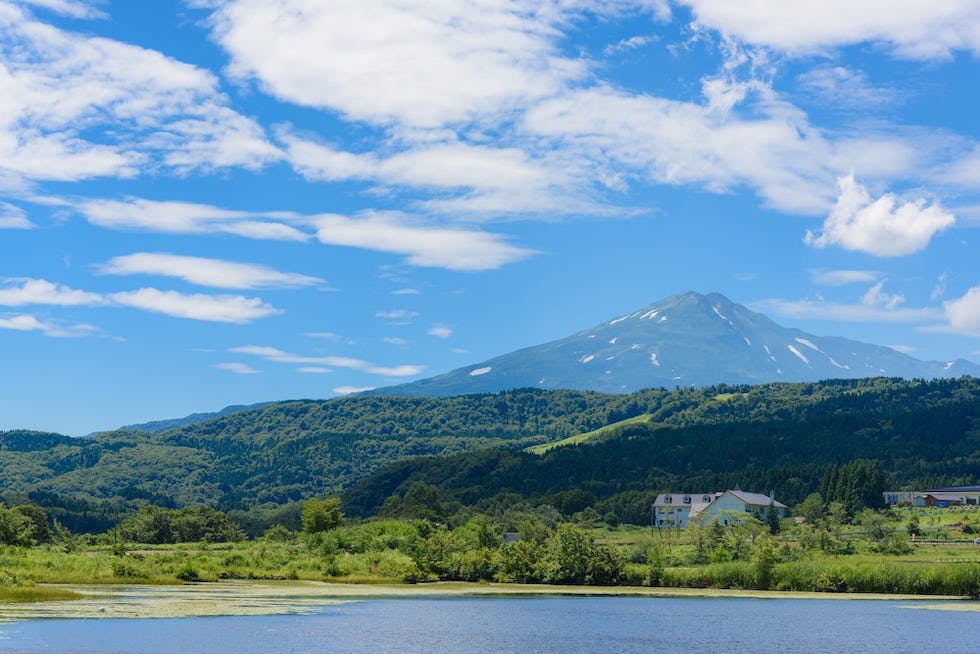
(679, 509)
(739, 501)
(970, 495)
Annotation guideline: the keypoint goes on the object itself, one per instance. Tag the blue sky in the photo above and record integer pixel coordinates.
(213, 202)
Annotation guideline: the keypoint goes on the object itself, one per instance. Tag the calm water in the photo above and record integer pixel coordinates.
(529, 625)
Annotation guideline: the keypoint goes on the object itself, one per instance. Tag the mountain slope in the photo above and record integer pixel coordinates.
(157, 426)
(686, 339)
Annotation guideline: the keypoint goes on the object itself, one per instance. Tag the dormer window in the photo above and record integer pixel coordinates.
(706, 498)
(687, 499)
(668, 499)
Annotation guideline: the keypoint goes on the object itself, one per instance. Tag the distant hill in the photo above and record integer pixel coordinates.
(688, 339)
(287, 451)
(850, 446)
(157, 426)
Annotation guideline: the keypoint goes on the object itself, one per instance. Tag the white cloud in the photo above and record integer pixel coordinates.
(13, 217)
(831, 311)
(29, 323)
(205, 272)
(75, 107)
(904, 349)
(394, 340)
(455, 248)
(939, 289)
(415, 63)
(963, 314)
(280, 356)
(440, 331)
(71, 8)
(21, 291)
(470, 178)
(402, 315)
(347, 390)
(843, 277)
(845, 87)
(237, 368)
(631, 43)
(314, 370)
(876, 297)
(910, 29)
(405, 291)
(882, 227)
(215, 308)
(396, 371)
(196, 306)
(429, 246)
(188, 218)
(773, 150)
(964, 171)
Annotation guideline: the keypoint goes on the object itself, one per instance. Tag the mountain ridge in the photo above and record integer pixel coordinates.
(686, 339)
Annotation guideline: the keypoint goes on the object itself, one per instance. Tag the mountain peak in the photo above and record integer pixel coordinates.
(686, 339)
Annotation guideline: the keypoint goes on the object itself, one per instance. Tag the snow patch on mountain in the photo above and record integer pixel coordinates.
(798, 353)
(809, 344)
(480, 371)
(722, 316)
(586, 358)
(653, 359)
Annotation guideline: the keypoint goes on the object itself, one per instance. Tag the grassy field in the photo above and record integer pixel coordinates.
(869, 556)
(589, 435)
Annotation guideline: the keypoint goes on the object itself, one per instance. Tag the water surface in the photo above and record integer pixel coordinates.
(528, 625)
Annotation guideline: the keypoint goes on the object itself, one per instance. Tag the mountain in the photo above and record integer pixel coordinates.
(157, 426)
(688, 339)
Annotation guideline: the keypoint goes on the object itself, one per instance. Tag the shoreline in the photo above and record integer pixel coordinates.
(243, 598)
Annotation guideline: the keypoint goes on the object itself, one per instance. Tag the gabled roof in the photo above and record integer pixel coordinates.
(942, 497)
(757, 499)
(954, 489)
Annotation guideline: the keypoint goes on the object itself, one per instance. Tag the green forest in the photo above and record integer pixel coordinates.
(848, 440)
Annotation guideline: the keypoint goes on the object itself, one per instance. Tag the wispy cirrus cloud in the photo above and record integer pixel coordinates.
(843, 277)
(196, 306)
(421, 242)
(422, 245)
(189, 218)
(276, 355)
(26, 322)
(70, 8)
(844, 312)
(440, 331)
(237, 368)
(22, 291)
(13, 217)
(202, 271)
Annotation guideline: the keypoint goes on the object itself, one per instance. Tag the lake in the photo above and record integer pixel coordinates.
(529, 625)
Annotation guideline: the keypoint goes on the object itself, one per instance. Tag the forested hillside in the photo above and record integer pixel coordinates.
(775, 435)
(847, 446)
